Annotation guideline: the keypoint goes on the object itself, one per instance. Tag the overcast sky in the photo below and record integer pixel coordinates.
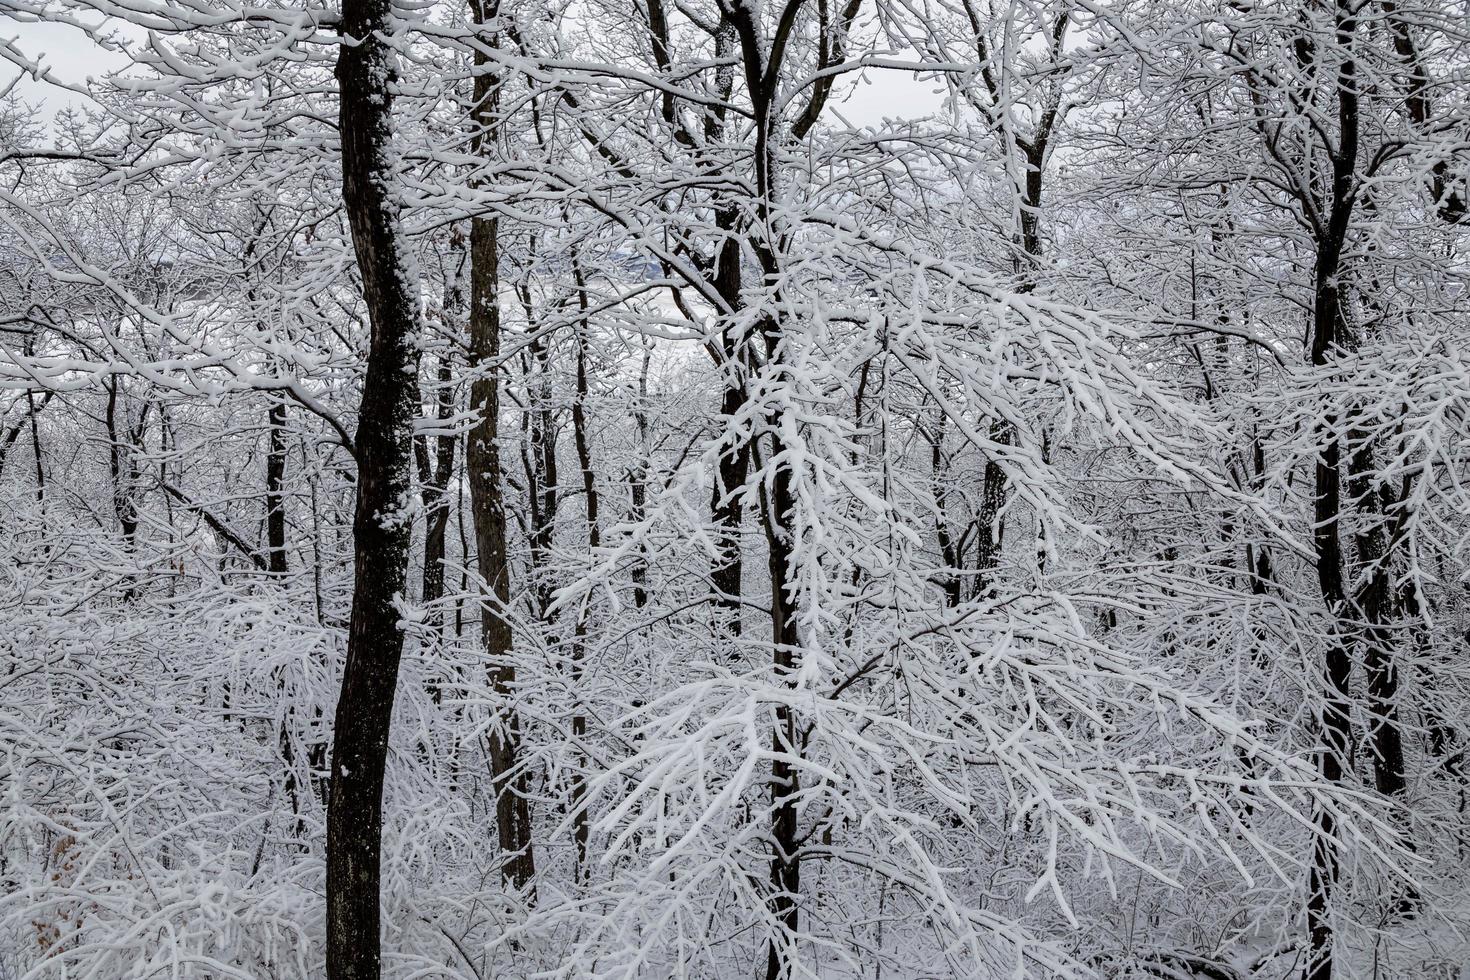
(73, 58)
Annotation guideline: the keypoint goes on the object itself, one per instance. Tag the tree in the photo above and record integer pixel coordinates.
(383, 448)
(879, 546)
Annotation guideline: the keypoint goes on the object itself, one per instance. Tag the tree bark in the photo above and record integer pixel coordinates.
(435, 471)
(727, 500)
(1375, 603)
(582, 831)
(1328, 330)
(36, 457)
(487, 501)
(990, 528)
(123, 440)
(381, 528)
(12, 432)
(275, 482)
(951, 582)
(785, 869)
(542, 480)
(638, 483)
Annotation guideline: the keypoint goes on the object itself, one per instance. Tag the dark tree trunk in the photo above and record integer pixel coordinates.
(275, 537)
(1033, 151)
(122, 465)
(12, 434)
(951, 583)
(435, 471)
(989, 527)
(37, 458)
(638, 483)
(381, 531)
(1041, 532)
(1375, 603)
(1328, 334)
(594, 542)
(637, 508)
(1450, 203)
(1334, 721)
(487, 501)
(275, 483)
(785, 871)
(541, 475)
(727, 502)
(436, 530)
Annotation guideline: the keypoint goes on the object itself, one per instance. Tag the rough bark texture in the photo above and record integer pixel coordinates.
(383, 446)
(594, 543)
(727, 506)
(275, 482)
(727, 502)
(542, 480)
(1327, 335)
(989, 528)
(951, 581)
(638, 485)
(1375, 604)
(124, 440)
(435, 470)
(275, 539)
(13, 431)
(785, 872)
(512, 812)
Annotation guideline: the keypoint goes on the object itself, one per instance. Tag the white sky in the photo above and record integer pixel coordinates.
(73, 58)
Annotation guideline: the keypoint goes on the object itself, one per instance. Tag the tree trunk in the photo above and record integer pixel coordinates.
(123, 468)
(275, 482)
(990, 529)
(638, 482)
(512, 811)
(275, 537)
(434, 473)
(1375, 603)
(436, 469)
(436, 531)
(37, 458)
(950, 582)
(727, 501)
(541, 473)
(381, 530)
(785, 871)
(1328, 332)
(594, 542)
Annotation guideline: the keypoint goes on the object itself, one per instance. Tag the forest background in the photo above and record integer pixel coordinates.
(713, 488)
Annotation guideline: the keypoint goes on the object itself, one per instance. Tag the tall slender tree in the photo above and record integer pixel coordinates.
(381, 529)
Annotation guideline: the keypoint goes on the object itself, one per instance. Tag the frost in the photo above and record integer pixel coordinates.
(1007, 523)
